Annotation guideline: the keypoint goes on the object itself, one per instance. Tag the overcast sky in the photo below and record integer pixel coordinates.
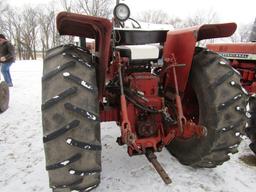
(242, 11)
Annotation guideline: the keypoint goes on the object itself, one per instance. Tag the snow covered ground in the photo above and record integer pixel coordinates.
(22, 164)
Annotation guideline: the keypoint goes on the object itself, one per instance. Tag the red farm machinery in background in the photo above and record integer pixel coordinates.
(160, 88)
(242, 57)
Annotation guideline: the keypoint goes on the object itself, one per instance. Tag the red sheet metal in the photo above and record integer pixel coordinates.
(247, 47)
(92, 27)
(182, 44)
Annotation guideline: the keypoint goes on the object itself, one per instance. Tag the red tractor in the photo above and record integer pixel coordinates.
(160, 88)
(242, 57)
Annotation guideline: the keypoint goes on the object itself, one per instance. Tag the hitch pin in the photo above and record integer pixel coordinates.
(160, 170)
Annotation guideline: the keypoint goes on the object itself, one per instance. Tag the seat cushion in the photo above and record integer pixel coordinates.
(140, 52)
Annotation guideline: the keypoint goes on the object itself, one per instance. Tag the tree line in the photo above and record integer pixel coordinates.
(245, 32)
(30, 29)
(33, 29)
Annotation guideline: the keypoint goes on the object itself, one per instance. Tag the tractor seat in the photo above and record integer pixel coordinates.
(148, 52)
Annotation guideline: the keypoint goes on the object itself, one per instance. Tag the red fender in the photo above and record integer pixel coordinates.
(181, 43)
(97, 28)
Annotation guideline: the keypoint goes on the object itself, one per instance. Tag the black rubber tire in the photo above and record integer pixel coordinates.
(4, 96)
(222, 103)
(251, 128)
(70, 117)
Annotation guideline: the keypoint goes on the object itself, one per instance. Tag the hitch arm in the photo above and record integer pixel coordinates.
(181, 119)
(127, 136)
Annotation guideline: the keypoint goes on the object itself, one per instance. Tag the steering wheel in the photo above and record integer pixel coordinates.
(137, 23)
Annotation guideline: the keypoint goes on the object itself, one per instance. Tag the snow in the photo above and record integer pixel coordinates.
(22, 164)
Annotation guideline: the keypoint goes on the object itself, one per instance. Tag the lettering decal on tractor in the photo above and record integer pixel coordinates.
(239, 56)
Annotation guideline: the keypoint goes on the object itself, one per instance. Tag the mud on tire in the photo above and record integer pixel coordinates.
(222, 104)
(70, 116)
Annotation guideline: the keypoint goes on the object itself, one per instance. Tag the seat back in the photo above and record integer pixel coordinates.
(140, 36)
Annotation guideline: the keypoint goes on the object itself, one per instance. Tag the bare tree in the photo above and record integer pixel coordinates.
(253, 33)
(155, 16)
(235, 37)
(22, 27)
(12, 20)
(29, 30)
(4, 8)
(176, 22)
(46, 18)
(101, 8)
(19, 28)
(67, 5)
(245, 32)
(202, 17)
(242, 34)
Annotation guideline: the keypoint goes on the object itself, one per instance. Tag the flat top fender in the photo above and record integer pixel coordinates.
(97, 28)
(181, 43)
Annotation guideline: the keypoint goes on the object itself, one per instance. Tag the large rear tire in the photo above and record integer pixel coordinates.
(251, 129)
(4, 96)
(222, 104)
(70, 116)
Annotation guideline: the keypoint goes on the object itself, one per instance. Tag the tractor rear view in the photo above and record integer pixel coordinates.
(242, 57)
(160, 88)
